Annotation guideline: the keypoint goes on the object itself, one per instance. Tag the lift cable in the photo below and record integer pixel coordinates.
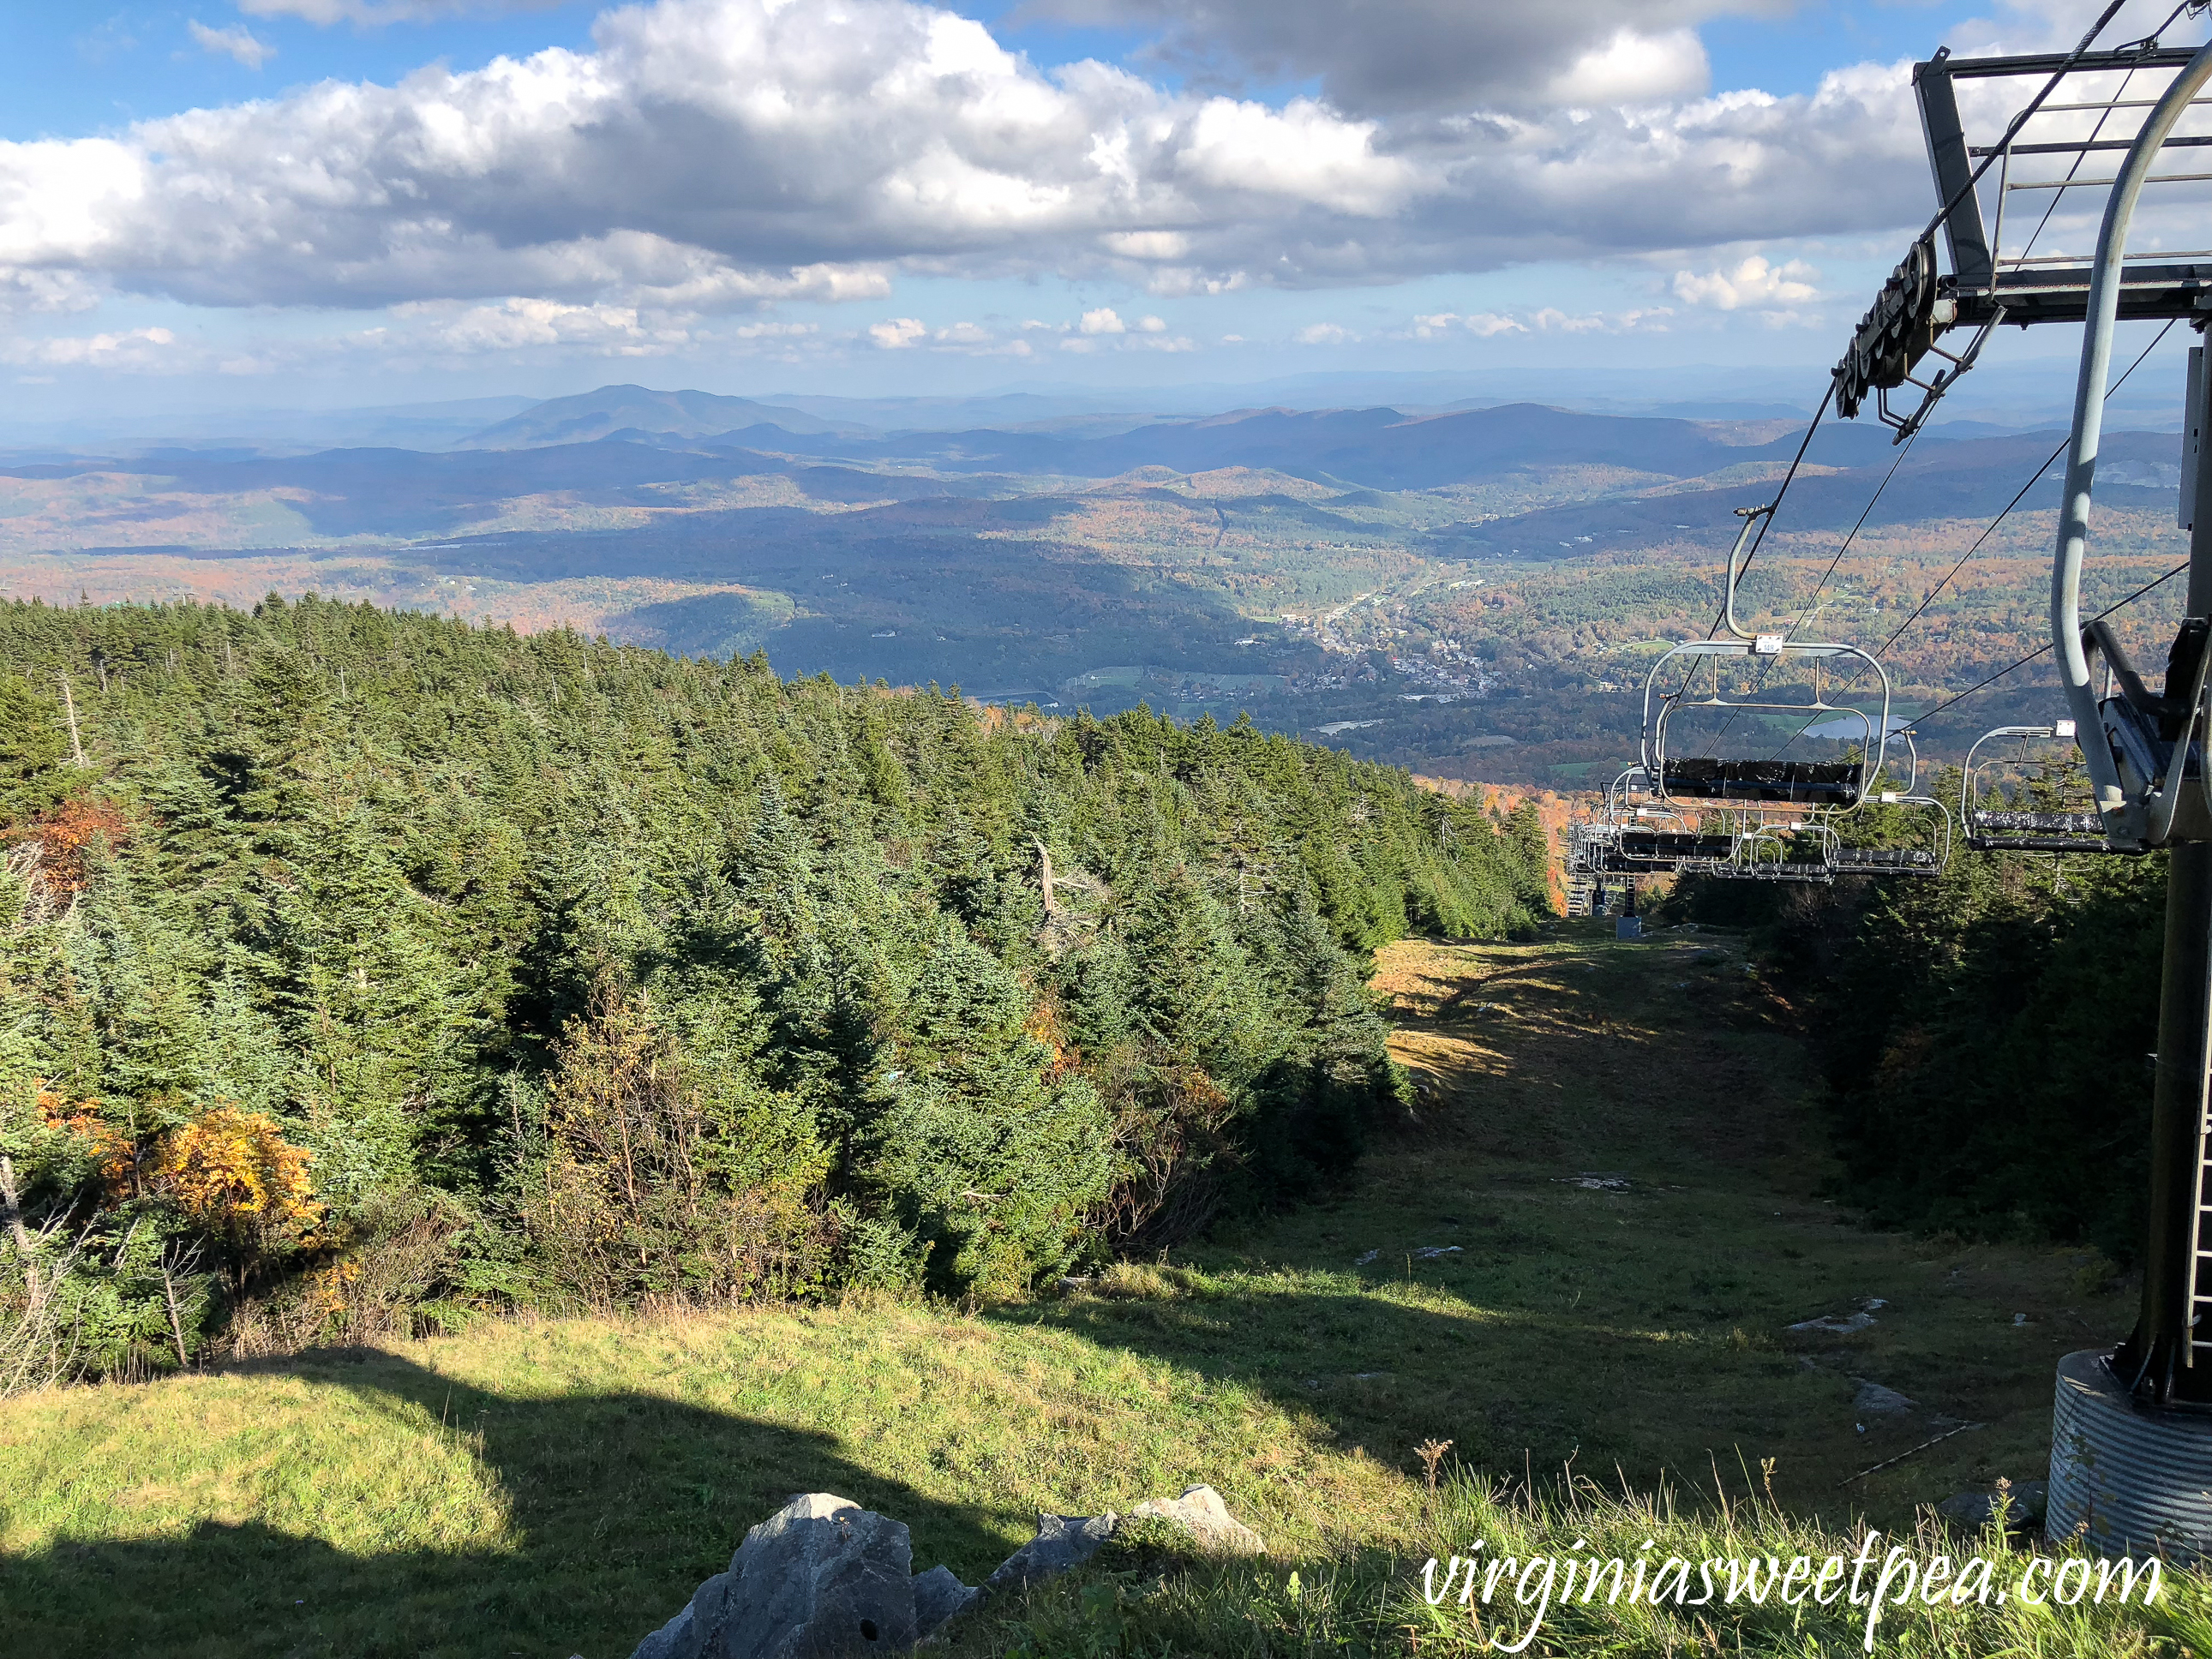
(1929, 598)
(1827, 399)
(2041, 473)
(2023, 662)
(1805, 614)
(1897, 461)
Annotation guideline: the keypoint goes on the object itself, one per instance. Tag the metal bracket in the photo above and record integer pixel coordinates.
(1902, 427)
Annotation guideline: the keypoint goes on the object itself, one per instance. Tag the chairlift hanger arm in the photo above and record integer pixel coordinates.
(2123, 819)
(1753, 517)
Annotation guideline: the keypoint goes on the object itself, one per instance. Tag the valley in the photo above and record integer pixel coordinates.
(1473, 593)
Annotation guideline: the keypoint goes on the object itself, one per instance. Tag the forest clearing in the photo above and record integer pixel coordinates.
(1590, 1249)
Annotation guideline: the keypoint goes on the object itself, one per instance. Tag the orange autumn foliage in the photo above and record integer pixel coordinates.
(108, 1147)
(66, 835)
(234, 1174)
(1044, 1025)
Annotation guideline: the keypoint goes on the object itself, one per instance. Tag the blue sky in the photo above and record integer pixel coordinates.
(364, 201)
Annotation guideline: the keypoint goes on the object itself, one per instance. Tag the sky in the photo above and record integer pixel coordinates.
(332, 203)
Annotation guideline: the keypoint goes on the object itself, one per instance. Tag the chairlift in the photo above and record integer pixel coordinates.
(1835, 786)
(2153, 739)
(1658, 851)
(2010, 829)
(1635, 838)
(1766, 850)
(1928, 858)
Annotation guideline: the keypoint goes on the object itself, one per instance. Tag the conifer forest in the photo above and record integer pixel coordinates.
(361, 970)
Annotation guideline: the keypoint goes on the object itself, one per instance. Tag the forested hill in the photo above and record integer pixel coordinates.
(587, 973)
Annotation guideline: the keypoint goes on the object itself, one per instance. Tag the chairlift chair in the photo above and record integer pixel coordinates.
(2010, 829)
(1769, 849)
(1684, 779)
(1930, 858)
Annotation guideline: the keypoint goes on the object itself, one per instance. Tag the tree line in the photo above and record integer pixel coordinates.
(1984, 1037)
(360, 969)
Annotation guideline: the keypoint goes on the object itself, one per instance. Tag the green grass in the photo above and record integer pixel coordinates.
(1374, 1600)
(554, 1488)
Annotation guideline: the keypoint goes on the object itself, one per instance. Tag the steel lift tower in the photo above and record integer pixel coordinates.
(2131, 1458)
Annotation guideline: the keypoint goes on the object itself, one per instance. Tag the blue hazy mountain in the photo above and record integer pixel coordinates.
(590, 415)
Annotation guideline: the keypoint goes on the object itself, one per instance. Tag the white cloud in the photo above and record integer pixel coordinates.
(518, 324)
(721, 155)
(1650, 320)
(1104, 320)
(1485, 324)
(1482, 324)
(1751, 284)
(1633, 68)
(137, 348)
(1303, 152)
(895, 333)
(236, 42)
(1147, 244)
(1151, 326)
(22, 289)
(1322, 334)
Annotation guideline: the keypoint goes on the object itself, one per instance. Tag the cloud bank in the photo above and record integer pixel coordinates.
(714, 155)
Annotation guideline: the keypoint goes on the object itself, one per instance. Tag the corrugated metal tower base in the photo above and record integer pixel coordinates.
(2140, 1478)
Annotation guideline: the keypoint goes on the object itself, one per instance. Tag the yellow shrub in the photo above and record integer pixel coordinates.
(234, 1175)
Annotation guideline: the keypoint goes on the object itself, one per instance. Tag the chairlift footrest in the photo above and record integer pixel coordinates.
(2043, 844)
(1887, 861)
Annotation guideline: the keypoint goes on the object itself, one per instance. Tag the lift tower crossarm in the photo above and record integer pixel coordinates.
(2123, 821)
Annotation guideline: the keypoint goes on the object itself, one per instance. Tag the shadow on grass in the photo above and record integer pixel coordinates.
(620, 1503)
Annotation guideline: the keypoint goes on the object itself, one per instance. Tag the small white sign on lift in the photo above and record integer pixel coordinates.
(1768, 645)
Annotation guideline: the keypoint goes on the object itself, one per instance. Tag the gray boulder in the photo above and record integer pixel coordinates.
(938, 1596)
(1872, 1400)
(1062, 1541)
(1201, 1512)
(820, 1578)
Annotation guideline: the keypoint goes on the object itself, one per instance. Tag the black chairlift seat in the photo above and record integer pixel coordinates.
(1654, 844)
(1808, 783)
(2047, 824)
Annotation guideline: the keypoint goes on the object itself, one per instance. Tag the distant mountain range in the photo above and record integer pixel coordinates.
(1376, 447)
(392, 492)
(591, 415)
(1419, 579)
(2002, 395)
